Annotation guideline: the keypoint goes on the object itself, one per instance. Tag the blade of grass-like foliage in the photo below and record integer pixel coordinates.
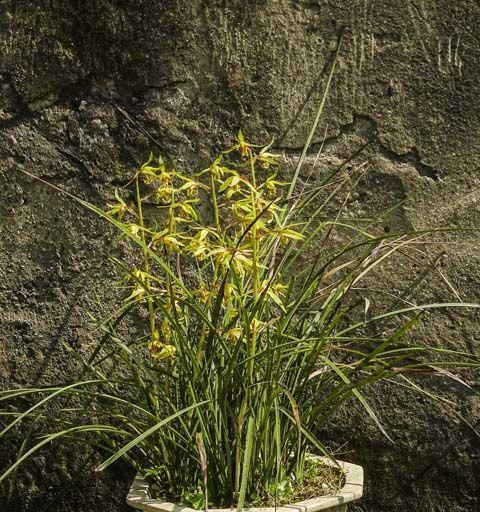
(419, 308)
(390, 340)
(49, 438)
(119, 316)
(246, 467)
(47, 399)
(358, 395)
(146, 434)
(298, 424)
(311, 437)
(315, 122)
(440, 400)
(203, 467)
(22, 450)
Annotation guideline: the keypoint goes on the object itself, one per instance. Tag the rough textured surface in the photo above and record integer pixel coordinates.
(86, 88)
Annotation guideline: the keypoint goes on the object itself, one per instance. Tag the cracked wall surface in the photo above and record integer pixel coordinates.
(88, 88)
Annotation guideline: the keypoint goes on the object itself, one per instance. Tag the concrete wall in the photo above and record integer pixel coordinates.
(88, 88)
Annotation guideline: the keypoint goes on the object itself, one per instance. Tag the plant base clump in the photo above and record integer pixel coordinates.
(318, 480)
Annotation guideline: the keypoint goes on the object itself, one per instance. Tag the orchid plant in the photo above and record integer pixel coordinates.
(254, 335)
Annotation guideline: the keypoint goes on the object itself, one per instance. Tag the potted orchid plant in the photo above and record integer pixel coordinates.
(250, 338)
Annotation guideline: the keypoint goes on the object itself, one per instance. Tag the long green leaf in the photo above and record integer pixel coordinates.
(56, 435)
(246, 467)
(146, 434)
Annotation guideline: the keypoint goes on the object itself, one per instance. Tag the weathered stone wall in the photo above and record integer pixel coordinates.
(88, 87)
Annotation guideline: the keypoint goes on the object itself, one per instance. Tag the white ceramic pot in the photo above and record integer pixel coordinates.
(139, 498)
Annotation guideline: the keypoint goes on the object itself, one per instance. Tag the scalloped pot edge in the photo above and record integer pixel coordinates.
(138, 496)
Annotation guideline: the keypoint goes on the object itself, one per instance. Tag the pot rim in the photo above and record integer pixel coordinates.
(138, 496)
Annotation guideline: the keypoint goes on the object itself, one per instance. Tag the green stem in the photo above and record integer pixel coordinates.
(201, 343)
(214, 202)
(171, 226)
(146, 264)
(255, 277)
